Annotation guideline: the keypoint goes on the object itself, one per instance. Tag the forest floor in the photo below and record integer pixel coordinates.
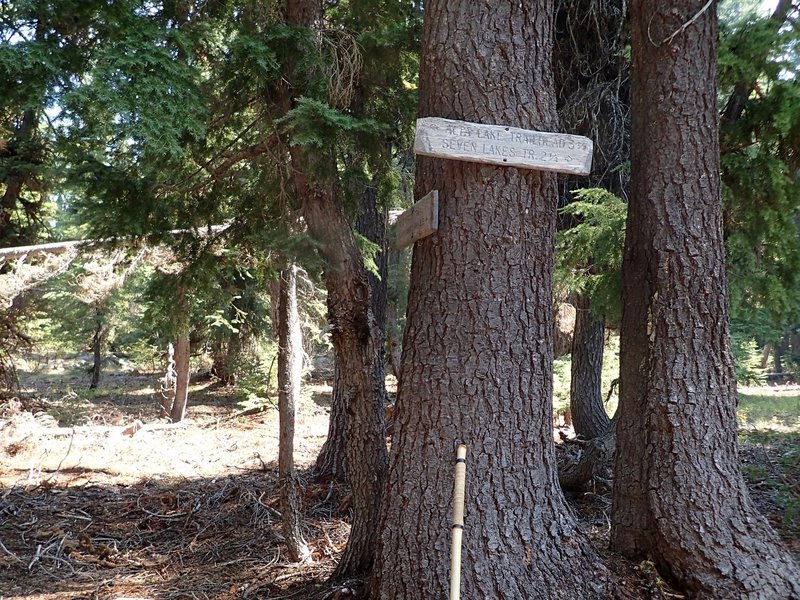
(100, 498)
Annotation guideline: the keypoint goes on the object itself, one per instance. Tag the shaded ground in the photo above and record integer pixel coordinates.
(95, 511)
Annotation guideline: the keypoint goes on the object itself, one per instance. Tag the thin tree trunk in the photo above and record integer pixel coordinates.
(679, 495)
(168, 383)
(394, 345)
(777, 356)
(765, 352)
(178, 411)
(182, 351)
(290, 367)
(478, 350)
(98, 339)
(589, 416)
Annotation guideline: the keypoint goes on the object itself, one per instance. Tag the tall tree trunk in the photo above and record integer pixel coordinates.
(477, 358)
(182, 352)
(290, 367)
(98, 340)
(589, 416)
(355, 336)
(371, 223)
(679, 496)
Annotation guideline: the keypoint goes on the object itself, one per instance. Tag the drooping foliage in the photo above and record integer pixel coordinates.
(589, 254)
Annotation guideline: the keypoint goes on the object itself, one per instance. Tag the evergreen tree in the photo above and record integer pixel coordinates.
(679, 495)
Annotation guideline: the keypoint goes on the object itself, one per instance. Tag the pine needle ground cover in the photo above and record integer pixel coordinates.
(91, 507)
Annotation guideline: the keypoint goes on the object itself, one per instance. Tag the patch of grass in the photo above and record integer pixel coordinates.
(765, 409)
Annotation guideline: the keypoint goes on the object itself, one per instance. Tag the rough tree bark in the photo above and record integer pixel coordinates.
(290, 368)
(477, 357)
(589, 416)
(331, 463)
(355, 336)
(679, 496)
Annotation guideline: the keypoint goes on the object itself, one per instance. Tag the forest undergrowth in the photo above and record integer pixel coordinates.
(100, 498)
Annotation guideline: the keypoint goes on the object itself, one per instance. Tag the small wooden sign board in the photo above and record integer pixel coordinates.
(419, 221)
(500, 145)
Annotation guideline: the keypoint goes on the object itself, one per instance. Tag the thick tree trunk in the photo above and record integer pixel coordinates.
(355, 336)
(290, 368)
(371, 223)
(679, 496)
(477, 357)
(357, 351)
(589, 416)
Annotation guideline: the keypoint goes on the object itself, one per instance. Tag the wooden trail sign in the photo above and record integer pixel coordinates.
(500, 145)
(419, 221)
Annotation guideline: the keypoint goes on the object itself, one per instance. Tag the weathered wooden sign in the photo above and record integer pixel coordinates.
(419, 221)
(499, 145)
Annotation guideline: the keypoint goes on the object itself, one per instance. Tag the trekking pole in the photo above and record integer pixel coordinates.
(458, 523)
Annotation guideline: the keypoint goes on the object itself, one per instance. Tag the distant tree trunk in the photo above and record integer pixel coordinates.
(182, 352)
(765, 352)
(290, 367)
(221, 363)
(331, 463)
(679, 495)
(589, 416)
(592, 74)
(355, 335)
(178, 411)
(777, 356)
(394, 345)
(98, 340)
(478, 355)
(371, 223)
